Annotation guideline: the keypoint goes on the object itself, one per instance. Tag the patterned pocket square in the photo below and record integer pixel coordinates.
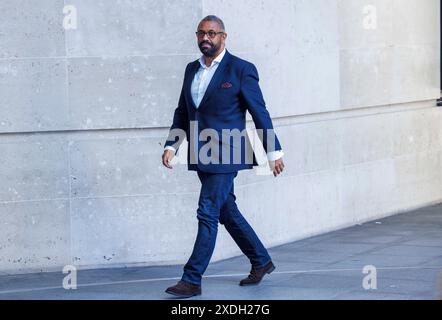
(226, 85)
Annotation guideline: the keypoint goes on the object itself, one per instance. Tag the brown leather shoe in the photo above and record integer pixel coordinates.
(256, 275)
(184, 290)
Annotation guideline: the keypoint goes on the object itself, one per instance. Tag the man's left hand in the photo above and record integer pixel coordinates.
(277, 166)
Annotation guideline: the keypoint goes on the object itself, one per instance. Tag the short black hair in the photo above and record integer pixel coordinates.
(214, 18)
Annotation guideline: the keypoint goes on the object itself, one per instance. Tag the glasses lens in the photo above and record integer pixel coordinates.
(212, 34)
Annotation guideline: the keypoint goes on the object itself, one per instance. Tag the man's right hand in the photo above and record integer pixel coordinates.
(167, 158)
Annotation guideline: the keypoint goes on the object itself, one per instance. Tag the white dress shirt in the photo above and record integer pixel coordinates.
(199, 86)
(203, 76)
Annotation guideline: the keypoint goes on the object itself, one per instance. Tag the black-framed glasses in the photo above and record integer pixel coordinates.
(212, 34)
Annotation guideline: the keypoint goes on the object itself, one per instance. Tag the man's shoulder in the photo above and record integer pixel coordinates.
(235, 60)
(191, 63)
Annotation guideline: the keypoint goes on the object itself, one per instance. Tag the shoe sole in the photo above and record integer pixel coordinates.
(256, 283)
(183, 296)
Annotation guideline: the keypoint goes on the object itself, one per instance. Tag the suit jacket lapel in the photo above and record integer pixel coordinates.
(216, 78)
(188, 84)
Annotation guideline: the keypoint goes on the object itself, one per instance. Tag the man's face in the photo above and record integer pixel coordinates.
(210, 46)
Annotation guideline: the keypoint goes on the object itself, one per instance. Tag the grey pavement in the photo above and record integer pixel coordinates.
(405, 249)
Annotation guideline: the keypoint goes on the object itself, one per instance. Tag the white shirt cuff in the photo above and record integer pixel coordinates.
(275, 155)
(170, 148)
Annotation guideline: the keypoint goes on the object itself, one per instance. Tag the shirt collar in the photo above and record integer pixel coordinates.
(216, 60)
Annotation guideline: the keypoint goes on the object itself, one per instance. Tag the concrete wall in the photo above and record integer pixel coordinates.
(84, 114)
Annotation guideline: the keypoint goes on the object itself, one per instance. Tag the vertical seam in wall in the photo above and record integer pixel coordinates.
(340, 128)
(202, 9)
(68, 140)
(70, 201)
(440, 164)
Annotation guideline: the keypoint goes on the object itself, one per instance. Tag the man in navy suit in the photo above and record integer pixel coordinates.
(217, 91)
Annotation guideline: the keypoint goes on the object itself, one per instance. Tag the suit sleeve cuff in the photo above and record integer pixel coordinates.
(275, 155)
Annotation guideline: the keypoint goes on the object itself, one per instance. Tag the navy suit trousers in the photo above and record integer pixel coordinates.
(217, 203)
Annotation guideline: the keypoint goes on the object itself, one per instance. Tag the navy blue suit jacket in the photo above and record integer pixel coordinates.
(233, 90)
